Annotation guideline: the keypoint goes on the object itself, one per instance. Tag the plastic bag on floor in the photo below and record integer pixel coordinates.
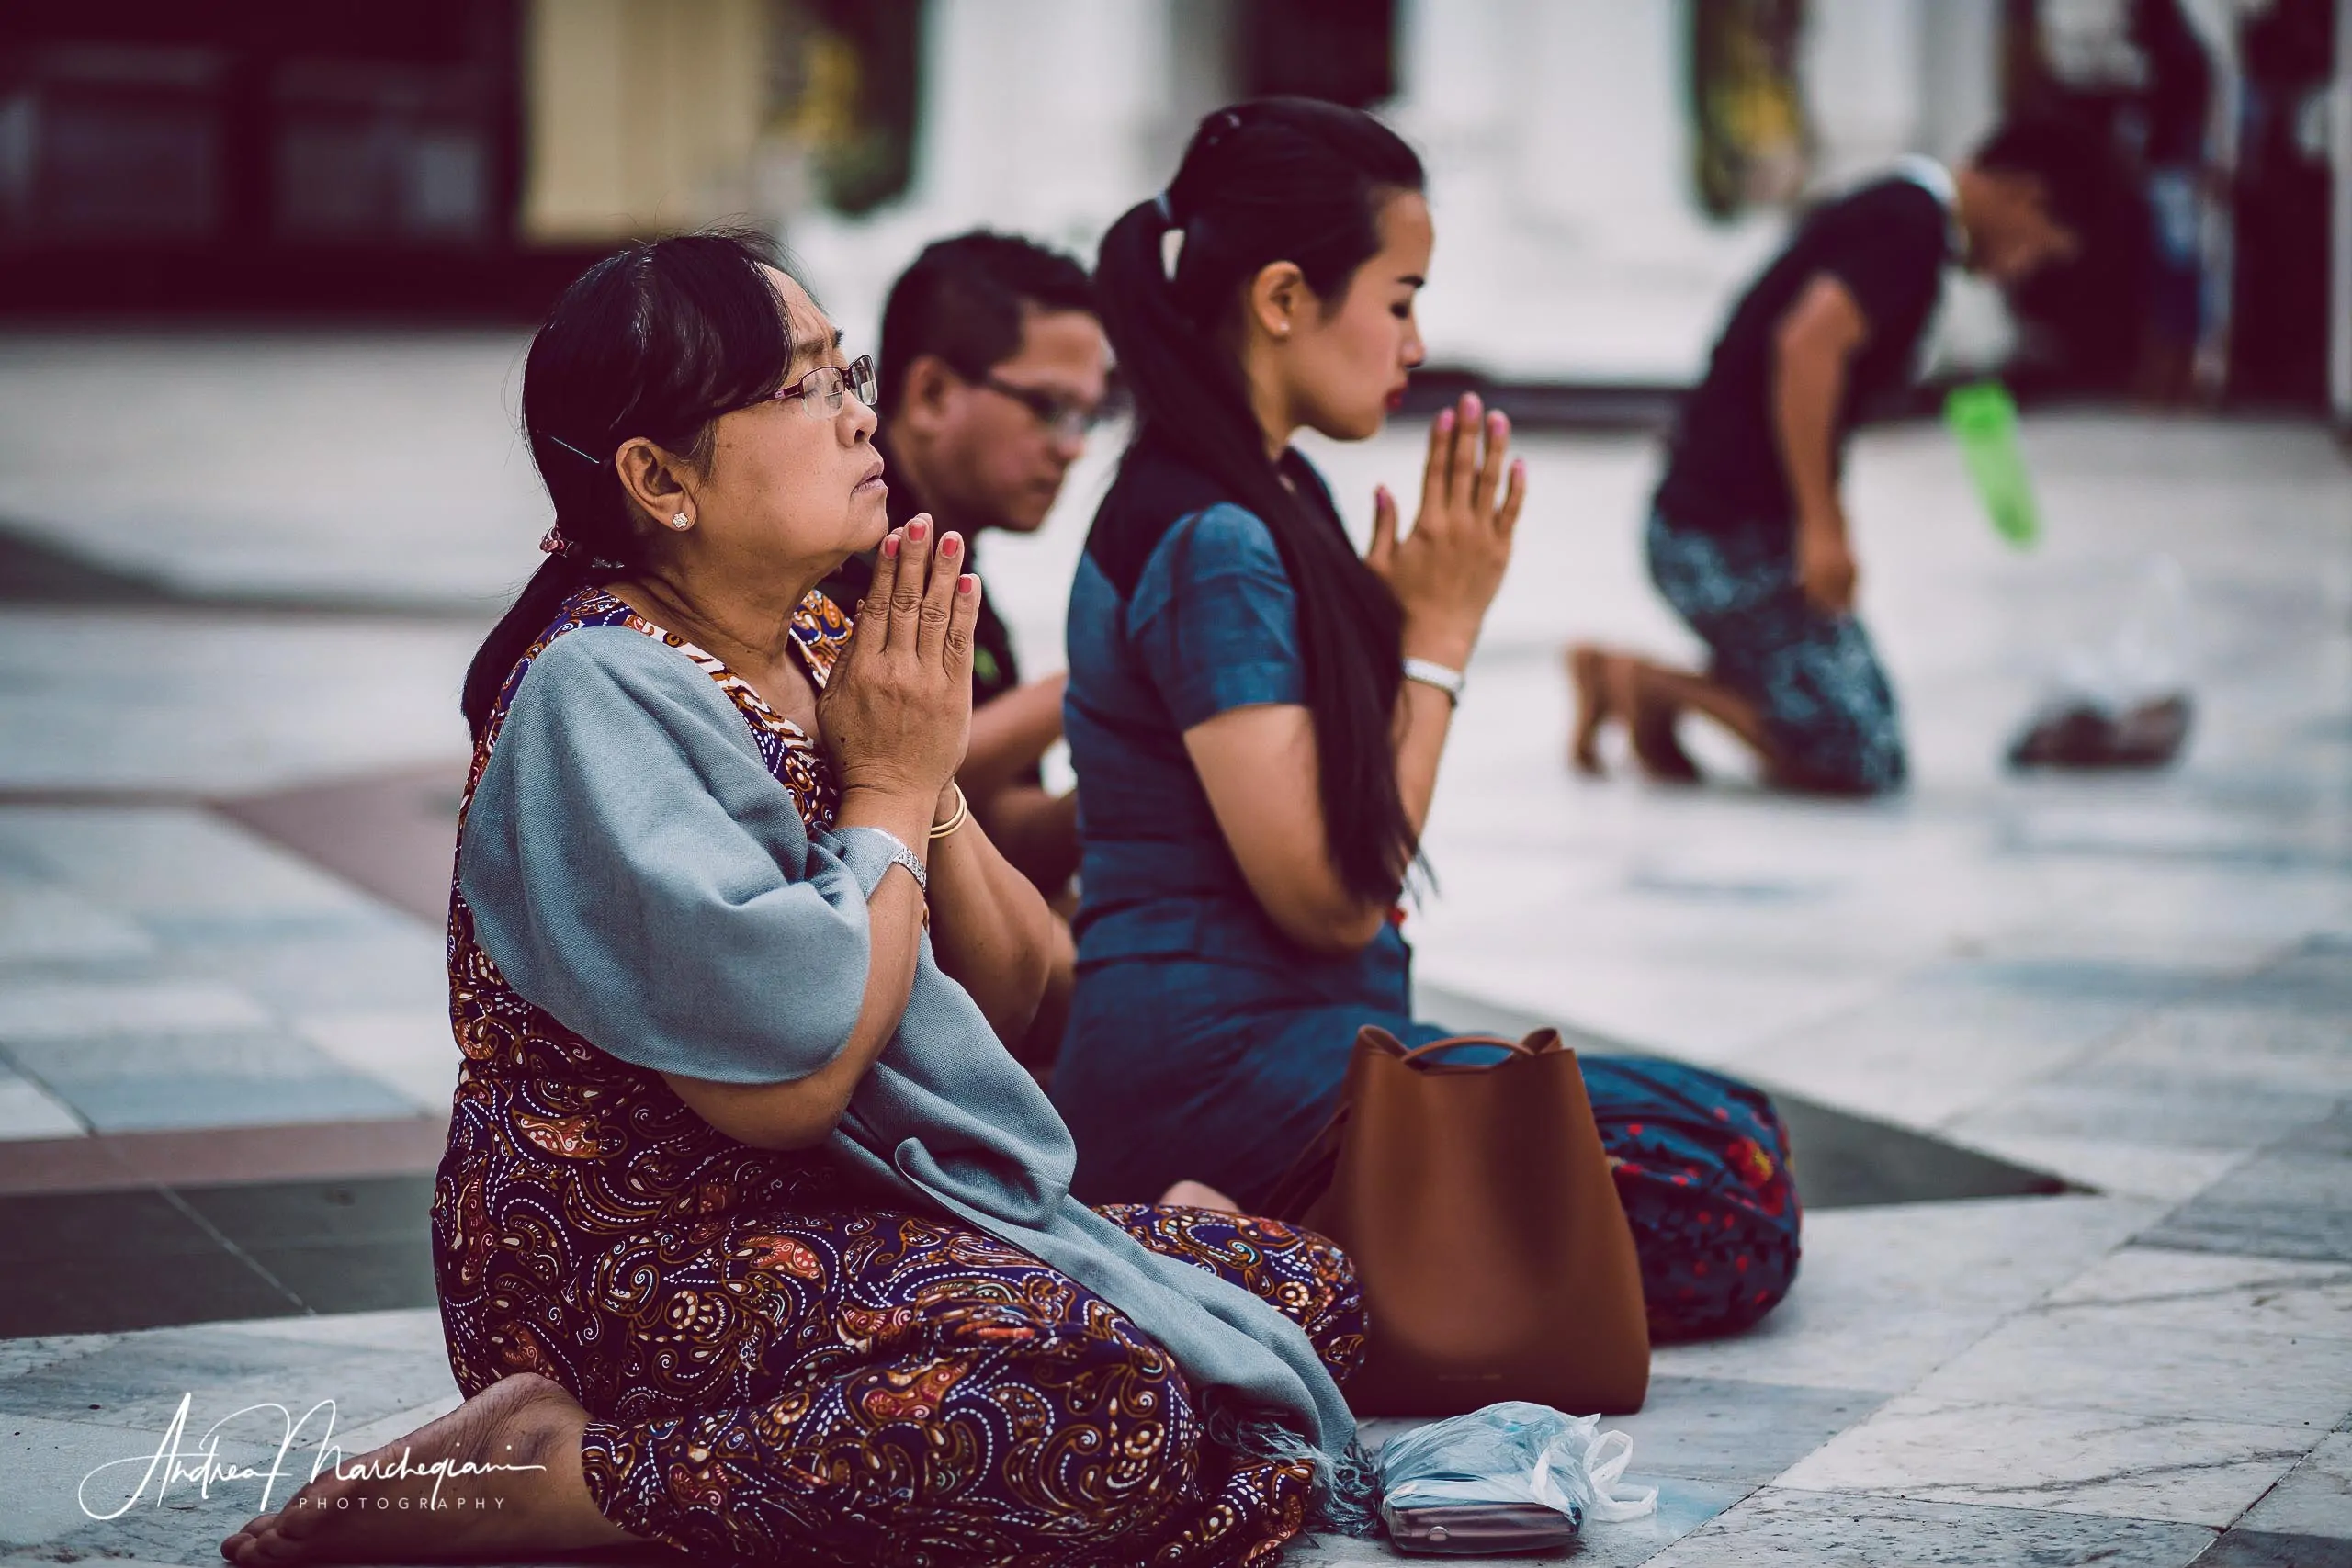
(2122, 702)
(1513, 1477)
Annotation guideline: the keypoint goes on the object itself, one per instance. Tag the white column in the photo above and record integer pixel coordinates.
(1037, 113)
(1037, 116)
(1603, 138)
(1452, 104)
(1960, 75)
(1862, 63)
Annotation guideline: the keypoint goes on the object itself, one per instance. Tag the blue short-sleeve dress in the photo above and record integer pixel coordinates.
(1203, 1042)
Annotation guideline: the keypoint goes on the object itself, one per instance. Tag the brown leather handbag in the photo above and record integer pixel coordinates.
(1485, 1226)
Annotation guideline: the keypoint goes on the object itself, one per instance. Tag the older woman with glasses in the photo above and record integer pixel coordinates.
(752, 1237)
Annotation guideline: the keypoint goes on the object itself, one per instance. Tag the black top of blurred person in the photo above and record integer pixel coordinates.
(964, 300)
(1888, 243)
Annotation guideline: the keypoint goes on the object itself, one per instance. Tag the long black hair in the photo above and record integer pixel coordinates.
(1275, 180)
(657, 340)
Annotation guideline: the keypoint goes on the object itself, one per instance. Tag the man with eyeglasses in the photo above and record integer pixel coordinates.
(993, 372)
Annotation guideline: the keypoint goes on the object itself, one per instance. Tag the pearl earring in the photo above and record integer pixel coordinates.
(682, 521)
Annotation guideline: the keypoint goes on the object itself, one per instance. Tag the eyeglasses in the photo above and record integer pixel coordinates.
(819, 392)
(1068, 419)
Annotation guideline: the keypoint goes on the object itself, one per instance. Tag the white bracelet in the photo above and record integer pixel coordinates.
(1431, 673)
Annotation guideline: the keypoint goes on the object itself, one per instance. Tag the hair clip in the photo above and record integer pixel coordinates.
(583, 457)
(1217, 126)
(553, 543)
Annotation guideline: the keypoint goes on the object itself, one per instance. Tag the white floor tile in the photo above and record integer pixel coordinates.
(44, 924)
(58, 1009)
(2073, 1461)
(1886, 1295)
(2103, 1357)
(28, 1111)
(1850, 1529)
(411, 1051)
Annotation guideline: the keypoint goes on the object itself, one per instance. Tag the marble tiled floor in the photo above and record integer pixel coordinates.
(2141, 985)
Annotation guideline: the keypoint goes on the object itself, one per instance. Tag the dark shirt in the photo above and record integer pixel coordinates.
(1887, 243)
(994, 670)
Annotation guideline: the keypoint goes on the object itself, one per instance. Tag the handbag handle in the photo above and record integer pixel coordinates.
(1311, 1172)
(1549, 1038)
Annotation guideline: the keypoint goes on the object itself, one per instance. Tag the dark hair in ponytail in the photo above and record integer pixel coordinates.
(657, 340)
(1274, 180)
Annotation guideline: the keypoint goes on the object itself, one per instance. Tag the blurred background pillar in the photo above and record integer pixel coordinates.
(1044, 117)
(1560, 149)
(1864, 67)
(644, 114)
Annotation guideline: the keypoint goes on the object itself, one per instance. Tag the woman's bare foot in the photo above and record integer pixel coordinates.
(1589, 673)
(497, 1476)
(1197, 1195)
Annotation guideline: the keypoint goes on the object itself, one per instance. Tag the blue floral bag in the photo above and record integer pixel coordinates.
(1701, 1165)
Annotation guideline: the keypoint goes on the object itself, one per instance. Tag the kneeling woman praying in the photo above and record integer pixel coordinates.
(1257, 712)
(752, 1237)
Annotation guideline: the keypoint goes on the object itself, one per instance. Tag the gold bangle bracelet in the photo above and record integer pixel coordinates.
(956, 818)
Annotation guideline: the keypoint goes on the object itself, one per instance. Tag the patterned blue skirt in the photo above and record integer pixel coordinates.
(1827, 709)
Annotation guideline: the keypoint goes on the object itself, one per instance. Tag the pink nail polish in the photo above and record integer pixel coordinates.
(918, 530)
(1445, 419)
(890, 546)
(950, 545)
(966, 582)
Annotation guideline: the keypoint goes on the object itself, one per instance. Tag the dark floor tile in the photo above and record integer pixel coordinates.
(310, 1213)
(2332, 1135)
(2072, 979)
(370, 1275)
(2317, 978)
(2259, 1549)
(2286, 1176)
(391, 833)
(36, 571)
(111, 1294)
(138, 1223)
(2255, 1230)
(1844, 1161)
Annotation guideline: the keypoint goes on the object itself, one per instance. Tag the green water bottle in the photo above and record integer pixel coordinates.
(1984, 420)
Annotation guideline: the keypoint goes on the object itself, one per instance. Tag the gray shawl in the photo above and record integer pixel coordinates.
(634, 869)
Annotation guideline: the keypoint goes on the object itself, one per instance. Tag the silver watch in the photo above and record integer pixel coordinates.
(900, 855)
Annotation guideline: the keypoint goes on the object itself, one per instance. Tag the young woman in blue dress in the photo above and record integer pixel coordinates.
(1257, 712)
